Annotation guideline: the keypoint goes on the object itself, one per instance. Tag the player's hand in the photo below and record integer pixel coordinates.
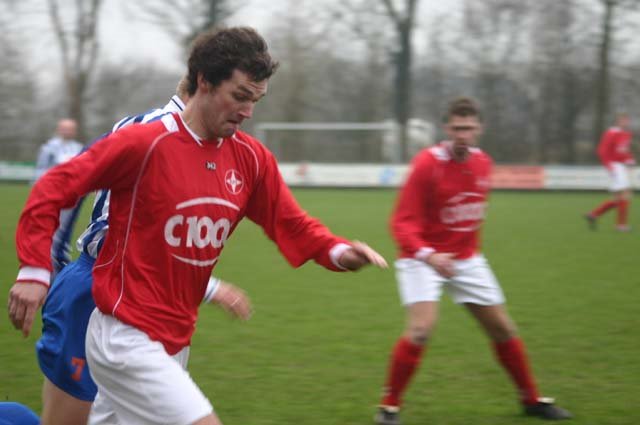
(233, 299)
(24, 300)
(359, 255)
(442, 262)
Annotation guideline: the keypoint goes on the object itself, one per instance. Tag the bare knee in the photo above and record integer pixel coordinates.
(418, 334)
(503, 331)
(60, 408)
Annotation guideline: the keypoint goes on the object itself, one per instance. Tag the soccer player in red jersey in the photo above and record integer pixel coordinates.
(179, 187)
(436, 225)
(615, 154)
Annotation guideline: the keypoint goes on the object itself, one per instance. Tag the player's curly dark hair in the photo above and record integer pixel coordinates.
(216, 54)
(462, 107)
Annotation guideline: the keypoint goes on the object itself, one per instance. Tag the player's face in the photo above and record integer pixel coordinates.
(464, 133)
(623, 122)
(232, 102)
(67, 129)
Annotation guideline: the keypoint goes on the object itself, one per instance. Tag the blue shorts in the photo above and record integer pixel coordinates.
(17, 414)
(65, 316)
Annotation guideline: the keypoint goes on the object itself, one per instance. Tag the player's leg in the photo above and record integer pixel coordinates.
(495, 321)
(621, 186)
(603, 208)
(139, 380)
(508, 347)
(408, 350)
(60, 408)
(619, 181)
(68, 389)
(511, 354)
(623, 198)
(593, 215)
(420, 288)
(476, 287)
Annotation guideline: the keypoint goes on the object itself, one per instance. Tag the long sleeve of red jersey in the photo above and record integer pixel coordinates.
(299, 237)
(110, 162)
(410, 213)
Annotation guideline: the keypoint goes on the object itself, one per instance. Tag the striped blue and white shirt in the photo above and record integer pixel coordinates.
(90, 242)
(55, 151)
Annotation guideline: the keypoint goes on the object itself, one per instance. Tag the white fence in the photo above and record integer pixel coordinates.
(379, 175)
(504, 176)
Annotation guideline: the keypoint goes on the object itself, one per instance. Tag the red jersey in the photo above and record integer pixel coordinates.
(174, 203)
(615, 146)
(442, 204)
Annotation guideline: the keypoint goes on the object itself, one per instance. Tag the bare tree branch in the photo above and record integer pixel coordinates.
(78, 47)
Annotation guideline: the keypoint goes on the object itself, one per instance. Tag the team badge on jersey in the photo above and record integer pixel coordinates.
(233, 181)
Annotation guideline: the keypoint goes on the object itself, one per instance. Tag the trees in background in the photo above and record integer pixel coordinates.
(17, 89)
(403, 19)
(612, 23)
(76, 37)
(546, 74)
(183, 19)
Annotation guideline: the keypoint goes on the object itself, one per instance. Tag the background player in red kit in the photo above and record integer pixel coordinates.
(615, 153)
(436, 224)
(179, 187)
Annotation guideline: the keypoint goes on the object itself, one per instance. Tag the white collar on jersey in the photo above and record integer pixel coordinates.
(175, 105)
(197, 138)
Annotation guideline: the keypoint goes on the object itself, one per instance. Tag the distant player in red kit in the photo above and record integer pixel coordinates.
(179, 187)
(615, 153)
(436, 225)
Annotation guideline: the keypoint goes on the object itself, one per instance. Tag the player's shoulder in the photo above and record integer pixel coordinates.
(240, 138)
(143, 134)
(615, 129)
(143, 118)
(243, 137)
(479, 155)
(250, 148)
(153, 127)
(438, 153)
(52, 143)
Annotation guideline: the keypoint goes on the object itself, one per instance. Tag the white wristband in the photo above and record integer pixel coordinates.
(212, 288)
(34, 274)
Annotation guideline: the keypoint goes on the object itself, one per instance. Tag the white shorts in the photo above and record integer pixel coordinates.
(619, 177)
(474, 282)
(138, 382)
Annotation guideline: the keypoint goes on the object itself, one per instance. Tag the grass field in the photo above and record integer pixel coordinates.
(316, 349)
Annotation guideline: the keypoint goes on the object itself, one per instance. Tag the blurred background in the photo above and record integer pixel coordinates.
(550, 74)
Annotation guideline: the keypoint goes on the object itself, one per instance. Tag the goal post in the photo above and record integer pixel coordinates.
(342, 142)
(327, 142)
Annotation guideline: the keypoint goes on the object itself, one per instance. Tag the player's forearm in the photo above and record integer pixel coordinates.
(40, 219)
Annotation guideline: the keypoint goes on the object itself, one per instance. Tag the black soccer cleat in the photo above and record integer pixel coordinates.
(387, 415)
(591, 221)
(546, 409)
